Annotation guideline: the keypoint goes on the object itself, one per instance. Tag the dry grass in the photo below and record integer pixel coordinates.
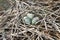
(48, 27)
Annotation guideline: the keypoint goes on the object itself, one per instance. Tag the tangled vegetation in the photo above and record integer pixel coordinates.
(30, 20)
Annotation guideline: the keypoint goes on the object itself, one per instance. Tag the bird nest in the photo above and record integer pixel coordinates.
(47, 28)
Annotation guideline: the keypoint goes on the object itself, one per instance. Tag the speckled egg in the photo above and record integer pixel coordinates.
(30, 15)
(27, 20)
(34, 20)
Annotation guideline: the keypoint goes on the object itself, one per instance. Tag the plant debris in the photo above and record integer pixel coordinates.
(46, 13)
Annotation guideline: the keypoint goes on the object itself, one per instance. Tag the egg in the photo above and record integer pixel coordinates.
(30, 15)
(35, 20)
(27, 20)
